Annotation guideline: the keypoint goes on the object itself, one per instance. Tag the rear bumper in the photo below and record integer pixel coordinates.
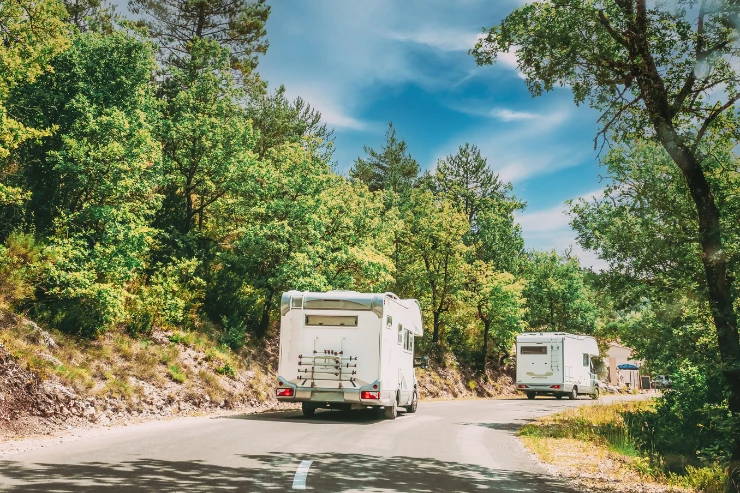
(565, 388)
(320, 395)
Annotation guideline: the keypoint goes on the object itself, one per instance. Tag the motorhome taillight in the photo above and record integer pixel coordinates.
(521, 386)
(375, 386)
(284, 392)
(369, 395)
(554, 386)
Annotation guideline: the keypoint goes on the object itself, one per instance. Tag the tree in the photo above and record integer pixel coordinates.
(466, 178)
(390, 169)
(280, 121)
(90, 15)
(238, 25)
(297, 226)
(432, 241)
(558, 299)
(650, 70)
(104, 153)
(207, 138)
(94, 181)
(31, 34)
(498, 300)
(467, 181)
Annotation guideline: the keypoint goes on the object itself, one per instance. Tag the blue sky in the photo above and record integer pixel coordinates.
(363, 64)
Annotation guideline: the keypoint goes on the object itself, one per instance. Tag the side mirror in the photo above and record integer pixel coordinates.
(422, 362)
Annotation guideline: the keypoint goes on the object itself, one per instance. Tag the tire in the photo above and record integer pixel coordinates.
(558, 396)
(531, 395)
(595, 394)
(573, 393)
(389, 412)
(308, 409)
(411, 408)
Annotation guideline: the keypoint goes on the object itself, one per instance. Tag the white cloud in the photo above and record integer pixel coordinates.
(508, 115)
(549, 228)
(441, 39)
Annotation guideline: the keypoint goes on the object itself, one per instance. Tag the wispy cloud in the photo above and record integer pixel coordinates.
(550, 228)
(439, 38)
(511, 115)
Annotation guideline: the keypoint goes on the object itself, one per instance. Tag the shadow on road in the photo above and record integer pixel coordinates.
(274, 472)
(510, 427)
(322, 416)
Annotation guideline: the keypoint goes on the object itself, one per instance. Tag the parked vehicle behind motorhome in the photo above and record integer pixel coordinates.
(556, 363)
(348, 350)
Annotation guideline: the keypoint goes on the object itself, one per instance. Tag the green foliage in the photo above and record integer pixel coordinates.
(176, 374)
(33, 32)
(558, 295)
(178, 28)
(226, 370)
(20, 261)
(391, 169)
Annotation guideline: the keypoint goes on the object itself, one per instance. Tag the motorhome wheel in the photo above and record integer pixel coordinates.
(531, 395)
(573, 393)
(414, 403)
(390, 411)
(308, 409)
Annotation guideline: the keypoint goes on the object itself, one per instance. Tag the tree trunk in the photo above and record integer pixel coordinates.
(265, 320)
(435, 334)
(486, 330)
(719, 282)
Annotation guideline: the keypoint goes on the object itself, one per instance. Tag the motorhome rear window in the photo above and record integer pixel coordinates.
(335, 305)
(533, 350)
(331, 321)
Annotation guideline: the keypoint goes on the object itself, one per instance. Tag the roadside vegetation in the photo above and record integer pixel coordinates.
(618, 447)
(156, 199)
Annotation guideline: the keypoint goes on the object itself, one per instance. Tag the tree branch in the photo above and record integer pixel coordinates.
(712, 116)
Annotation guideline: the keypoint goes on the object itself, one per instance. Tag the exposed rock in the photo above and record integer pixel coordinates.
(39, 335)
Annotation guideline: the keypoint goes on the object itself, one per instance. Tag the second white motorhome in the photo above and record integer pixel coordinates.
(348, 350)
(556, 363)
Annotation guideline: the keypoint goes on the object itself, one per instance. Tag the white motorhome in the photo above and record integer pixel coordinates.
(348, 350)
(556, 363)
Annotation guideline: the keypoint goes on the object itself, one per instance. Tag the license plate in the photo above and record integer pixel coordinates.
(328, 396)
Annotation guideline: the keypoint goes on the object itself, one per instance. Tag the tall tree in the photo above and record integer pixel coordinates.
(207, 138)
(390, 169)
(466, 178)
(281, 121)
(432, 239)
(31, 34)
(236, 24)
(650, 68)
(499, 303)
(558, 297)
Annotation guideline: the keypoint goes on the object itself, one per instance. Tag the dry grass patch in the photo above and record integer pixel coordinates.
(592, 445)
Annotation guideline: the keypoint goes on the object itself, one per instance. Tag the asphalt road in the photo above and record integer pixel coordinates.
(450, 446)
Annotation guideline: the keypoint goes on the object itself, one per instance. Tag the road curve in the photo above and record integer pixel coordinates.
(451, 446)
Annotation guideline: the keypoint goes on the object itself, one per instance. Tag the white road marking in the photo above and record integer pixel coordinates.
(299, 480)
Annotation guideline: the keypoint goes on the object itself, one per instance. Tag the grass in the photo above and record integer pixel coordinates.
(176, 374)
(116, 364)
(597, 440)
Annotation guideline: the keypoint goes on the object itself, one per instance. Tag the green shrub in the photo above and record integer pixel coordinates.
(19, 265)
(176, 373)
(226, 370)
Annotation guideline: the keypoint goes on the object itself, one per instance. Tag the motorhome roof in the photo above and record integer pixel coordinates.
(549, 335)
(348, 300)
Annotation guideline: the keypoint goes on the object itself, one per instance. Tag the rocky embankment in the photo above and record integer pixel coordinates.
(117, 380)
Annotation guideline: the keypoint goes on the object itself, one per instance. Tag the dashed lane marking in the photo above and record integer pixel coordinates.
(301, 474)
